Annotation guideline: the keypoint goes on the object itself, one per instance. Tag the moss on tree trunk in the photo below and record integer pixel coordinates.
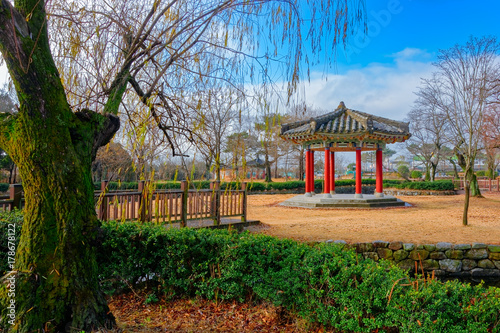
(57, 283)
(57, 286)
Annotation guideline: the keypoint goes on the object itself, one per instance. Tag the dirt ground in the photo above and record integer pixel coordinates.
(430, 219)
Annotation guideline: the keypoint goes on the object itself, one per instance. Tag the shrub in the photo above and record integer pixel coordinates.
(322, 283)
(481, 173)
(404, 171)
(256, 186)
(4, 187)
(416, 174)
(251, 186)
(290, 185)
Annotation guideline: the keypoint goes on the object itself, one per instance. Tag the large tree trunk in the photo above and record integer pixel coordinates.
(57, 286)
(57, 250)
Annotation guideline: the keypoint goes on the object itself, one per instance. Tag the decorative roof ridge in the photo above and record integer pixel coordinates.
(364, 118)
(344, 121)
(289, 126)
(404, 126)
(314, 121)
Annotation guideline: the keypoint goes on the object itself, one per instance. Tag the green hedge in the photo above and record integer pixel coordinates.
(321, 283)
(4, 187)
(416, 174)
(438, 185)
(251, 186)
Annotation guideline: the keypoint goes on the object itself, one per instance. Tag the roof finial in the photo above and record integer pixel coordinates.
(341, 106)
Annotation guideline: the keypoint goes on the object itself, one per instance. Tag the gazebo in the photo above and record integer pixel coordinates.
(344, 130)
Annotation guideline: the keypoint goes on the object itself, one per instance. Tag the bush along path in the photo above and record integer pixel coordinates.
(321, 283)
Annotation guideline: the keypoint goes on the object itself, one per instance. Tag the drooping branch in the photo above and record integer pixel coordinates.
(164, 128)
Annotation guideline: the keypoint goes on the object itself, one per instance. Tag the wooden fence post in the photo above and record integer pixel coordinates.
(15, 192)
(215, 203)
(244, 203)
(103, 207)
(184, 203)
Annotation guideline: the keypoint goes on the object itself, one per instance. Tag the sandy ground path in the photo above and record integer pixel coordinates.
(431, 219)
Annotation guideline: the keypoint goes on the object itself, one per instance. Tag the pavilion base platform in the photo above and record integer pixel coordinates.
(343, 201)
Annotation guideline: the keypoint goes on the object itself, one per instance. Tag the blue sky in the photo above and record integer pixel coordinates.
(379, 73)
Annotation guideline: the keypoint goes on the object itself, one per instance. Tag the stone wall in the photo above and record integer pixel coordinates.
(474, 260)
(407, 192)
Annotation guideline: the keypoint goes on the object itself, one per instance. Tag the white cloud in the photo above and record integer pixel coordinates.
(411, 53)
(385, 90)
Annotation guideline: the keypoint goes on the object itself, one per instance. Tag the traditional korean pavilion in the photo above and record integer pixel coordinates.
(344, 130)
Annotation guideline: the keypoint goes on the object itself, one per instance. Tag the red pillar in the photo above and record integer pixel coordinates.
(332, 172)
(379, 175)
(307, 178)
(327, 171)
(311, 173)
(358, 174)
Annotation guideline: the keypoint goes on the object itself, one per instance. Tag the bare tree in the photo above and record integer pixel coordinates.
(218, 111)
(491, 138)
(298, 112)
(113, 162)
(428, 129)
(461, 89)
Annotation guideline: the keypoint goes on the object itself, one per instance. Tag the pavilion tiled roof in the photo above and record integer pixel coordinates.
(344, 122)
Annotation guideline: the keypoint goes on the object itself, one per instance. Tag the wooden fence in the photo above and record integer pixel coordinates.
(484, 184)
(162, 206)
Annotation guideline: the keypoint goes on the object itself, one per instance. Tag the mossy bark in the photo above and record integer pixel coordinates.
(57, 286)
(474, 186)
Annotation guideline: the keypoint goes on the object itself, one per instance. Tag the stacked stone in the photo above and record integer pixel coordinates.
(445, 259)
(407, 192)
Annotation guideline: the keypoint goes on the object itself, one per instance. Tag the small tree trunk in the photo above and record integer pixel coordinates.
(268, 169)
(455, 170)
(466, 202)
(433, 171)
(491, 172)
(427, 174)
(474, 186)
(301, 164)
(11, 173)
(276, 167)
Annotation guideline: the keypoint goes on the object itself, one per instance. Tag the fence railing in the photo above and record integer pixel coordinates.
(484, 184)
(163, 206)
